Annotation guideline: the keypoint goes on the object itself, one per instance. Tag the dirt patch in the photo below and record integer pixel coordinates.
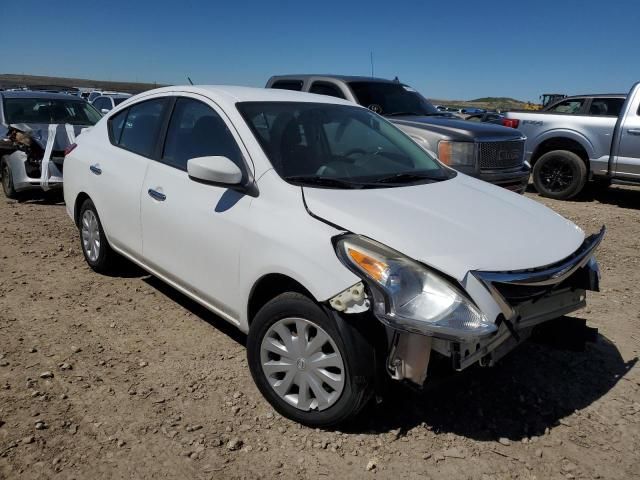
(123, 377)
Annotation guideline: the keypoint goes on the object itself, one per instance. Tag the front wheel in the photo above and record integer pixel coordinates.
(559, 174)
(311, 367)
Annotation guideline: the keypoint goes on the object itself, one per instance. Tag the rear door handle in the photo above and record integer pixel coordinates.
(634, 131)
(96, 169)
(156, 195)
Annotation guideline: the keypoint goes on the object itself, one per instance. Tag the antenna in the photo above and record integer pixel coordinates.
(371, 55)
(190, 81)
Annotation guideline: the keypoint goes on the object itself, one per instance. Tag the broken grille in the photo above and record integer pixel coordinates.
(500, 155)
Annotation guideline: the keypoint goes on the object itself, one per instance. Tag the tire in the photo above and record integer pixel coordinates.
(7, 180)
(560, 174)
(341, 401)
(99, 256)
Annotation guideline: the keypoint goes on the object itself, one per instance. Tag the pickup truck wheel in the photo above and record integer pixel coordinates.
(559, 174)
(93, 241)
(7, 180)
(307, 366)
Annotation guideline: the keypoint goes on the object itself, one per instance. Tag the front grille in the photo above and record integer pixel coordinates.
(501, 155)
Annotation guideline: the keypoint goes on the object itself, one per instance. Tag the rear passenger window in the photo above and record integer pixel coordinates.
(607, 107)
(288, 85)
(324, 88)
(115, 126)
(196, 130)
(140, 130)
(571, 106)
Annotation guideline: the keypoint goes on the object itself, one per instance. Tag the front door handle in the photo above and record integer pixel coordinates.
(634, 131)
(96, 169)
(156, 195)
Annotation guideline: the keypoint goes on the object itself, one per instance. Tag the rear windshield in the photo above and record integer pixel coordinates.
(391, 98)
(47, 110)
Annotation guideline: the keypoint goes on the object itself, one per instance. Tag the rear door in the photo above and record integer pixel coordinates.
(626, 161)
(119, 170)
(192, 231)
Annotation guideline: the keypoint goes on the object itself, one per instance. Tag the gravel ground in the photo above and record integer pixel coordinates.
(123, 377)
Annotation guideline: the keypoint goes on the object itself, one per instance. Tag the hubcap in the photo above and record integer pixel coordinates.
(302, 364)
(556, 175)
(90, 235)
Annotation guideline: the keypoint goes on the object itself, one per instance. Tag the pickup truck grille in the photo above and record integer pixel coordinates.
(500, 155)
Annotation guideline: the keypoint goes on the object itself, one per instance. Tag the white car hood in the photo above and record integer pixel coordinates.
(454, 226)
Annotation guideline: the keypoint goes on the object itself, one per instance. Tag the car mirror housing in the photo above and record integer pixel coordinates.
(214, 169)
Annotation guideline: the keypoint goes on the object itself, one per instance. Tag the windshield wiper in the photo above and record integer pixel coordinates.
(324, 181)
(399, 114)
(408, 177)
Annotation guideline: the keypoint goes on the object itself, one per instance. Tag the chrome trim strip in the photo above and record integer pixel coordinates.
(549, 275)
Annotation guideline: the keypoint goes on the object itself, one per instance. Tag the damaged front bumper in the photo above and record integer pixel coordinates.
(526, 299)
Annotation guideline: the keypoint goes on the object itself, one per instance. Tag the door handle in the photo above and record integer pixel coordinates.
(96, 169)
(156, 195)
(634, 131)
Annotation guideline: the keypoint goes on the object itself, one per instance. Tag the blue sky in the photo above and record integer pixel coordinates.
(446, 49)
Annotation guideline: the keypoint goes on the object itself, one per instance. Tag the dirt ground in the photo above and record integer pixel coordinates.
(123, 377)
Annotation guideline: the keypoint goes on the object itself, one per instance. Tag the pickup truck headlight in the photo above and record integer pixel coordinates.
(457, 154)
(409, 296)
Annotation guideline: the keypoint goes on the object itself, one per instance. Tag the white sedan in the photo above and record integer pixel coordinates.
(345, 251)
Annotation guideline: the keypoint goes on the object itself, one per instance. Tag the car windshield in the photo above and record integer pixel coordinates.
(338, 146)
(392, 99)
(48, 110)
(119, 100)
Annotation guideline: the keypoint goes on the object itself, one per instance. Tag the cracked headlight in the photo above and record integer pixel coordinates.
(409, 296)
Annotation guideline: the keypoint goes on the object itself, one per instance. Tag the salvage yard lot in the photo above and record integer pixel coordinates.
(143, 383)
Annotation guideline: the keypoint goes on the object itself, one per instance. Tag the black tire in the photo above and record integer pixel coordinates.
(560, 174)
(7, 180)
(106, 257)
(357, 353)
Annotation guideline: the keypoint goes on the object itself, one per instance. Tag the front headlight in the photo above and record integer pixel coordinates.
(409, 296)
(454, 154)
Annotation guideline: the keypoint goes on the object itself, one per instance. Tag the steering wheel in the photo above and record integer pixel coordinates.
(353, 151)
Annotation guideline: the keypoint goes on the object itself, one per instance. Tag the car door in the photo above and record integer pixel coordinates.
(119, 169)
(192, 231)
(627, 158)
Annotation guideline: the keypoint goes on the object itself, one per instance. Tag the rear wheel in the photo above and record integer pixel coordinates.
(93, 240)
(559, 174)
(7, 180)
(309, 367)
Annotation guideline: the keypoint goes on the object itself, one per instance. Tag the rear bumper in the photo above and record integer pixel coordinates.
(515, 180)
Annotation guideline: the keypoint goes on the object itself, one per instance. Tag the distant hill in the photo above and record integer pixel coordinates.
(488, 103)
(13, 80)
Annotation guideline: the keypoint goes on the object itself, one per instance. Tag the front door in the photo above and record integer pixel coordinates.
(627, 159)
(192, 231)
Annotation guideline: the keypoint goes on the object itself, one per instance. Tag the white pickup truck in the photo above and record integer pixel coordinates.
(581, 138)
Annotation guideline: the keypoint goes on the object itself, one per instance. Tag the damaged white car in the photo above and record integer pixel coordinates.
(342, 249)
(35, 130)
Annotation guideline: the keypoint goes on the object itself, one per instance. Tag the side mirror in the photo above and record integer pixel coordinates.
(216, 170)
(105, 110)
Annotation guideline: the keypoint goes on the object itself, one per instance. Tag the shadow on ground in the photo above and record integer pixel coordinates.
(618, 195)
(529, 390)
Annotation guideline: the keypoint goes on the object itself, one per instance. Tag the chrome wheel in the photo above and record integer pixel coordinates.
(90, 232)
(302, 364)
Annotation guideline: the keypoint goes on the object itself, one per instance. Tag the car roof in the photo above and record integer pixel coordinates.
(233, 94)
(43, 95)
(595, 95)
(344, 78)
